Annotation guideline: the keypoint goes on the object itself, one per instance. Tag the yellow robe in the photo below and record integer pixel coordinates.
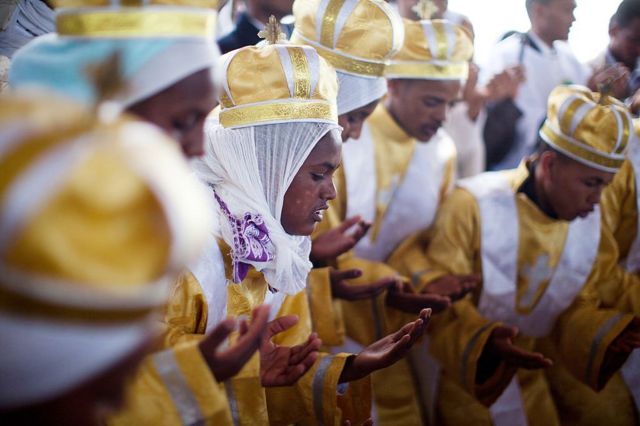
(314, 399)
(174, 387)
(580, 336)
(613, 405)
(395, 395)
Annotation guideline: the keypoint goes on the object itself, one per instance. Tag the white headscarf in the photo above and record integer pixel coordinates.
(356, 91)
(250, 170)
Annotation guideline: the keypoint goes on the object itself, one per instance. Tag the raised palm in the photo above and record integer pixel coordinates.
(386, 351)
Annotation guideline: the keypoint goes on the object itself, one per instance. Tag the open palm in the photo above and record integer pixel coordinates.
(386, 351)
(284, 365)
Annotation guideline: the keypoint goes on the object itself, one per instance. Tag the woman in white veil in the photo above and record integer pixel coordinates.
(270, 157)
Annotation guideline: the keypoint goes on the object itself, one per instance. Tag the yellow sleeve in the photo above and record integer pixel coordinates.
(186, 312)
(363, 321)
(458, 335)
(582, 336)
(615, 287)
(451, 246)
(174, 387)
(326, 313)
(315, 397)
(619, 208)
(458, 338)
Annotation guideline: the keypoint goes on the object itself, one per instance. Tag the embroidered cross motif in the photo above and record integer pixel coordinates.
(536, 275)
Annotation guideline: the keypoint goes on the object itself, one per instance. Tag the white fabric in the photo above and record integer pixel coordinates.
(499, 242)
(209, 271)
(544, 71)
(178, 61)
(508, 410)
(30, 19)
(499, 245)
(455, 17)
(467, 136)
(41, 359)
(356, 91)
(251, 169)
(407, 213)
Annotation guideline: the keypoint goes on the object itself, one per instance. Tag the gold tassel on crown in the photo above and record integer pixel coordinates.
(272, 32)
(425, 9)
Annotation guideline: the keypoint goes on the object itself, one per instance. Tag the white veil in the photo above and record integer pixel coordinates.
(250, 169)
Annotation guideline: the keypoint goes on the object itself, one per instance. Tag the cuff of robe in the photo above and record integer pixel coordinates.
(474, 348)
(606, 334)
(174, 386)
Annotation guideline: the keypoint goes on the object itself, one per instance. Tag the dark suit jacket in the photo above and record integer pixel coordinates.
(244, 34)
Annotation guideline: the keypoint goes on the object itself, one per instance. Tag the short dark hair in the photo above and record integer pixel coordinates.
(628, 10)
(542, 146)
(529, 3)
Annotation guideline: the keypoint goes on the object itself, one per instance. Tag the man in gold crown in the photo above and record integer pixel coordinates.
(269, 163)
(617, 403)
(360, 68)
(534, 233)
(88, 257)
(390, 143)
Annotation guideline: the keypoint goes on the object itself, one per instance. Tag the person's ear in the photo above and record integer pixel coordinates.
(547, 162)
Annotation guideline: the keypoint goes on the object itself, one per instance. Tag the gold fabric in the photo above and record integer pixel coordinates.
(371, 35)
(597, 137)
(419, 59)
(579, 404)
(277, 100)
(103, 226)
(186, 321)
(136, 22)
(326, 313)
(72, 4)
(581, 335)
(149, 401)
(620, 208)
(369, 320)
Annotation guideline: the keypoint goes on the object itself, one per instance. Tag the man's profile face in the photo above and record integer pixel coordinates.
(420, 106)
(625, 42)
(556, 18)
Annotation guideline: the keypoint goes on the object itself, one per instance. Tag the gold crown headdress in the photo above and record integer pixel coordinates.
(592, 128)
(433, 50)
(357, 37)
(288, 83)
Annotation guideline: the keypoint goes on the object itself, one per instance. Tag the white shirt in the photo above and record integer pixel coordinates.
(545, 68)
